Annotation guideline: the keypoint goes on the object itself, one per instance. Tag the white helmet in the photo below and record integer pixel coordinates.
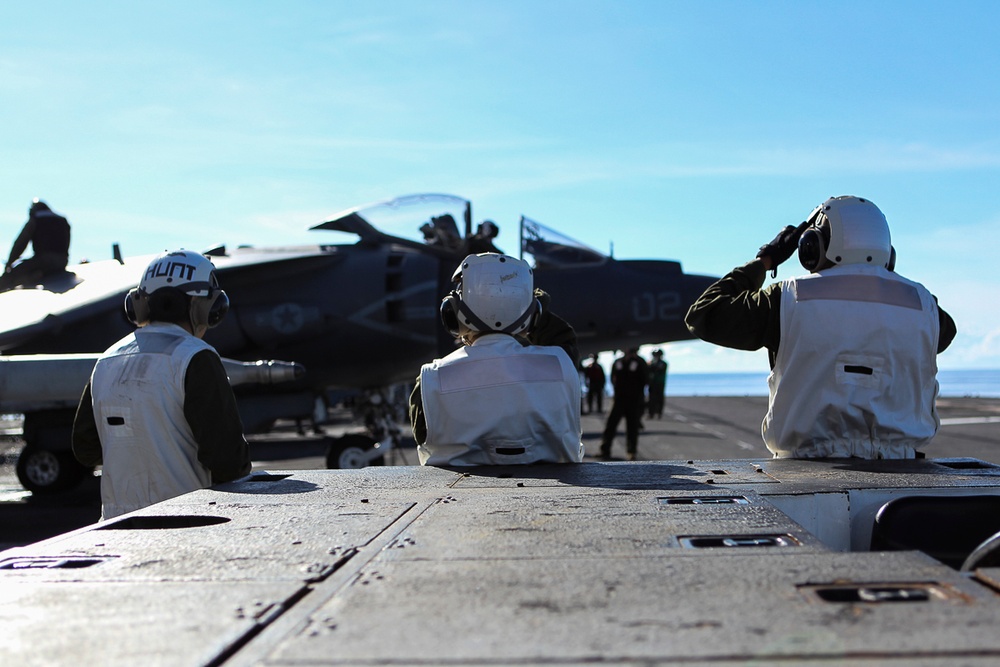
(493, 292)
(845, 230)
(185, 272)
(188, 271)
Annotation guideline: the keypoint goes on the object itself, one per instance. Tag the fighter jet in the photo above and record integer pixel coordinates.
(360, 314)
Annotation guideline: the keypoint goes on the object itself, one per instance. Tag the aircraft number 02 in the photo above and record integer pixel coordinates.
(649, 307)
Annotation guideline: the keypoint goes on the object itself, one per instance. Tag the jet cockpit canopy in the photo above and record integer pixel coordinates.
(552, 249)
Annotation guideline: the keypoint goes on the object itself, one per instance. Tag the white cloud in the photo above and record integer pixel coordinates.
(972, 351)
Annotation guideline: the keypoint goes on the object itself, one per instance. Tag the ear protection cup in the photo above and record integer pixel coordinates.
(137, 307)
(812, 249)
(814, 241)
(219, 309)
(209, 311)
(449, 313)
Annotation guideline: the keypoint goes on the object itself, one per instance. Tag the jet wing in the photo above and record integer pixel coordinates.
(82, 291)
(88, 289)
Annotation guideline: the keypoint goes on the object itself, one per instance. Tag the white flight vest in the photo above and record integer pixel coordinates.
(855, 374)
(149, 451)
(498, 402)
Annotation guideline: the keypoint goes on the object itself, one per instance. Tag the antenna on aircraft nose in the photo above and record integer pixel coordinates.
(116, 252)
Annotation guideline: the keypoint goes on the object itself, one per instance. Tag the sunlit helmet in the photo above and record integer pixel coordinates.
(845, 230)
(185, 270)
(493, 292)
(181, 272)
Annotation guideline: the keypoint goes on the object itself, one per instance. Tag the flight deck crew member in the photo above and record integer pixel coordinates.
(596, 381)
(159, 413)
(48, 233)
(852, 345)
(629, 376)
(482, 240)
(511, 394)
(657, 384)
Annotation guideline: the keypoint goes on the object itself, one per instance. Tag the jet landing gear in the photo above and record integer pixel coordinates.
(354, 450)
(382, 436)
(46, 465)
(44, 471)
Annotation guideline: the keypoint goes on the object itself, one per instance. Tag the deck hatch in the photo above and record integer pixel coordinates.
(164, 522)
(879, 593)
(52, 562)
(738, 541)
(704, 500)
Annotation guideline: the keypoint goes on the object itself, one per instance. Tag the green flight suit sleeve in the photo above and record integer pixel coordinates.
(211, 412)
(86, 439)
(735, 312)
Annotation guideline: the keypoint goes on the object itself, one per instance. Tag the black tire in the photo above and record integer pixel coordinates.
(349, 452)
(44, 471)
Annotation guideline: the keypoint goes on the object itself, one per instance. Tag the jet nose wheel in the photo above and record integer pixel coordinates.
(354, 450)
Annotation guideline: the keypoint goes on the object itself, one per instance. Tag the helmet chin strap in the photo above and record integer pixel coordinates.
(474, 320)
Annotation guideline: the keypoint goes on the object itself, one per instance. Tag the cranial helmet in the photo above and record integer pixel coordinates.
(37, 205)
(174, 282)
(493, 292)
(845, 230)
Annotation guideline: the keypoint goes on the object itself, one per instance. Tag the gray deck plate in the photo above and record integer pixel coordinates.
(525, 612)
(558, 565)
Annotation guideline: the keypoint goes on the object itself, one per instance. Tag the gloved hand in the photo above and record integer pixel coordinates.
(782, 247)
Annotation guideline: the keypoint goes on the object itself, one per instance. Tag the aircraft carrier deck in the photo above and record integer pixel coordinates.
(719, 556)
(692, 428)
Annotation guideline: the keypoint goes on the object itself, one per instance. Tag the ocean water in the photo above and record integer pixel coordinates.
(954, 384)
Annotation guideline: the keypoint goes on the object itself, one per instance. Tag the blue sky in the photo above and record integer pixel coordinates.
(677, 130)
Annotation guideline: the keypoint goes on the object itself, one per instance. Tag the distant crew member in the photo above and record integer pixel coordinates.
(159, 413)
(657, 384)
(442, 231)
(852, 345)
(482, 240)
(48, 233)
(629, 375)
(596, 381)
(511, 394)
